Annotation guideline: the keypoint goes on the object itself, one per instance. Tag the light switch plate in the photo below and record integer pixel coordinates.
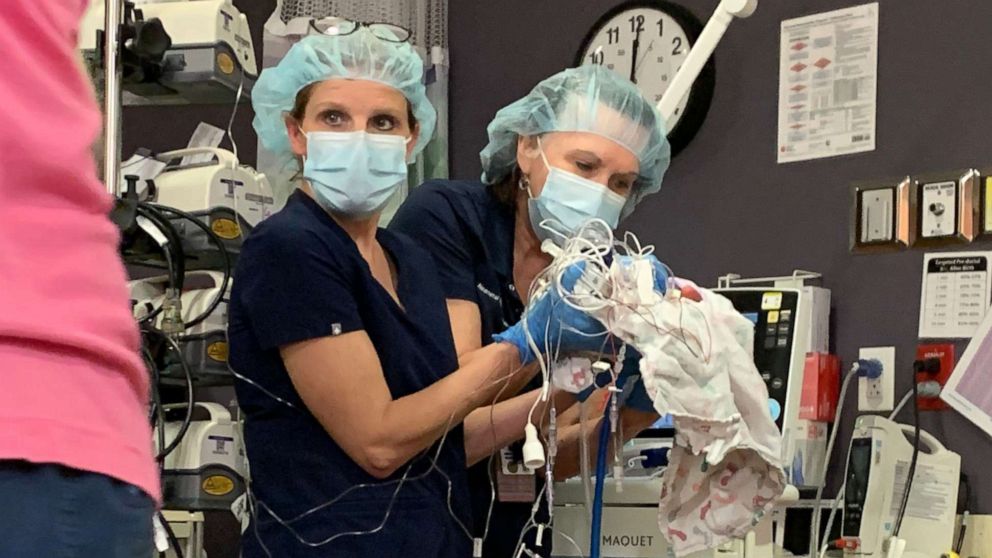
(878, 394)
(939, 209)
(878, 215)
(881, 215)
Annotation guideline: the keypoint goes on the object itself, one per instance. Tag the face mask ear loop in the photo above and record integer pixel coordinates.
(299, 126)
(409, 159)
(547, 165)
(544, 157)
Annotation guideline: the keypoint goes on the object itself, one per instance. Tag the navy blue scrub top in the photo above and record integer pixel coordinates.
(299, 277)
(470, 235)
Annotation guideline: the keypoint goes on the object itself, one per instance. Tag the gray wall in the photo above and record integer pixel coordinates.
(726, 206)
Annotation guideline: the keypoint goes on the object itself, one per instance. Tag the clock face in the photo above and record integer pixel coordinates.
(647, 42)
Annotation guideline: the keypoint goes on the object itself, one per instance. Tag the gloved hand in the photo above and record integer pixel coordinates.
(660, 272)
(630, 381)
(553, 323)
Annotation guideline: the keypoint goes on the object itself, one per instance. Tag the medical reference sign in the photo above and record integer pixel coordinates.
(828, 70)
(955, 294)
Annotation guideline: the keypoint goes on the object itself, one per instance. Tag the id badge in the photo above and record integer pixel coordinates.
(514, 481)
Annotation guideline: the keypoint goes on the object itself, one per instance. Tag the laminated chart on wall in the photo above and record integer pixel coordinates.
(969, 389)
(954, 296)
(828, 70)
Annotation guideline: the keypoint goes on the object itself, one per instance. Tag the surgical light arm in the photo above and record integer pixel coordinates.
(701, 52)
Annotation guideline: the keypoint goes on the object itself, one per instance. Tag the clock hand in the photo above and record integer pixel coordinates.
(633, 58)
(641, 61)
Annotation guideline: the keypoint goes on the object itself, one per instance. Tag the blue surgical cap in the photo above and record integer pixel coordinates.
(585, 99)
(358, 55)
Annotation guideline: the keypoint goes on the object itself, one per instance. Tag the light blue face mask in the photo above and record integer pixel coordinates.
(354, 173)
(568, 201)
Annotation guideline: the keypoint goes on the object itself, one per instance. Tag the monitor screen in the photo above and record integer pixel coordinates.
(753, 316)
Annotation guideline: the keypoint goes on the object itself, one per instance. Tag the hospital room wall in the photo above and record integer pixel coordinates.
(727, 207)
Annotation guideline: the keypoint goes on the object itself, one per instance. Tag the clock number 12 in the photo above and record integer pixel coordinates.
(636, 24)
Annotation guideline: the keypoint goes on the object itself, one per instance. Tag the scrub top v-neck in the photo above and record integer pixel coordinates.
(469, 233)
(301, 277)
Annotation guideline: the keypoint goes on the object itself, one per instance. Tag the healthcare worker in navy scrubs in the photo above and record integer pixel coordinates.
(346, 369)
(583, 143)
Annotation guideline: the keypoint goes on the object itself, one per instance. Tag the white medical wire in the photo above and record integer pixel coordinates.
(594, 291)
(234, 147)
(254, 502)
(260, 388)
(234, 111)
(815, 527)
(591, 246)
(584, 467)
(530, 522)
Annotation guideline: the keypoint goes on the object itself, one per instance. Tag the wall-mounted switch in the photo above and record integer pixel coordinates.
(878, 215)
(947, 208)
(939, 209)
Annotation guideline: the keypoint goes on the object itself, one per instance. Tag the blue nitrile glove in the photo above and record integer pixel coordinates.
(553, 323)
(660, 272)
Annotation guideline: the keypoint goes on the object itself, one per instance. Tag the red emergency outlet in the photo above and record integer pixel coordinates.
(944, 352)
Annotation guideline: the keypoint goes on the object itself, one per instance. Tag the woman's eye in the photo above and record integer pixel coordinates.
(333, 118)
(584, 167)
(384, 123)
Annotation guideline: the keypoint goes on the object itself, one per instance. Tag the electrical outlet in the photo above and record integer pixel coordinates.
(878, 394)
(944, 352)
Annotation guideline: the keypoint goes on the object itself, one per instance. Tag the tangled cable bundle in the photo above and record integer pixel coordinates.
(697, 364)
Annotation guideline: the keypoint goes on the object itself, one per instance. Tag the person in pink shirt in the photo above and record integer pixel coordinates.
(77, 474)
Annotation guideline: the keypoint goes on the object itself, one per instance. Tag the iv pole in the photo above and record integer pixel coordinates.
(112, 77)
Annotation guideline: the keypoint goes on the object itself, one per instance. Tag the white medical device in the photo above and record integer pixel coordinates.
(791, 319)
(207, 470)
(629, 524)
(202, 287)
(877, 468)
(204, 345)
(222, 182)
(703, 48)
(210, 59)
